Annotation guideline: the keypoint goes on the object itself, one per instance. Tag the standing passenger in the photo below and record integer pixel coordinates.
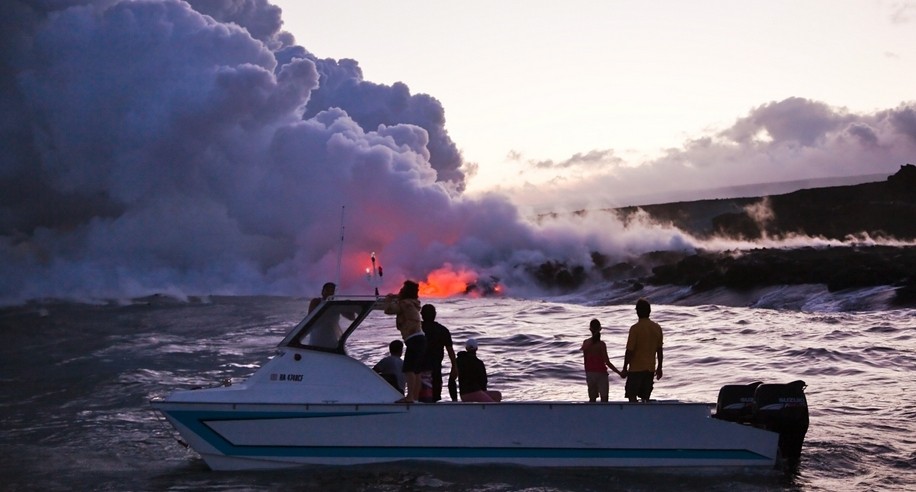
(596, 364)
(327, 332)
(438, 341)
(406, 305)
(644, 345)
(327, 290)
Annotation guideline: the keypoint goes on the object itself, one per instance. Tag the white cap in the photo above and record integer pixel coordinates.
(471, 344)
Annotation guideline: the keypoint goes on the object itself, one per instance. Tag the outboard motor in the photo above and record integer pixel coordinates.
(736, 403)
(782, 408)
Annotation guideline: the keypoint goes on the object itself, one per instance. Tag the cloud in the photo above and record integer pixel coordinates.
(902, 12)
(789, 140)
(903, 121)
(151, 147)
(193, 148)
(599, 158)
(261, 19)
(371, 105)
(791, 120)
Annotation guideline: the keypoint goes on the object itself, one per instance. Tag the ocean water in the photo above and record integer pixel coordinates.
(77, 378)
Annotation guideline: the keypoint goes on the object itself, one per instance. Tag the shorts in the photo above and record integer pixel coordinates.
(414, 356)
(597, 385)
(639, 384)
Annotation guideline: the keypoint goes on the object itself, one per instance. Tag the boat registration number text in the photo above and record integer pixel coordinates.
(286, 377)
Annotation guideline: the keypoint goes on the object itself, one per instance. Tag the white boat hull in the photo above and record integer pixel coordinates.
(662, 434)
(311, 404)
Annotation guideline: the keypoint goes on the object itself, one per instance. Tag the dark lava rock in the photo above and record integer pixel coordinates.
(878, 210)
(881, 210)
(559, 275)
(905, 295)
(838, 268)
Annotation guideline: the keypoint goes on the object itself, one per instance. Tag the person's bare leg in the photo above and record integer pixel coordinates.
(412, 386)
(417, 386)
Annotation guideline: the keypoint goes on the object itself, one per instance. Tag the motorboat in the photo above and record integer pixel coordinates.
(313, 404)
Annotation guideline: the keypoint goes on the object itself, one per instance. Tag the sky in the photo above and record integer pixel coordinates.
(590, 86)
(235, 147)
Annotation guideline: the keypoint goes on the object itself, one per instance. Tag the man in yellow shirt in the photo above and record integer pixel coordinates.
(644, 345)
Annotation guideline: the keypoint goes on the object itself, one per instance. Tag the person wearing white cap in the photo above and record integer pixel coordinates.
(472, 377)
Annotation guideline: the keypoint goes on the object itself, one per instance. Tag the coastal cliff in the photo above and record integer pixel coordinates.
(868, 232)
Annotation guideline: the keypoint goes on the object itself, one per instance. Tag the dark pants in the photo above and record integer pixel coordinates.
(639, 385)
(436, 376)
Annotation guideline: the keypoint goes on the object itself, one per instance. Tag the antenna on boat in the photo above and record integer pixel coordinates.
(340, 247)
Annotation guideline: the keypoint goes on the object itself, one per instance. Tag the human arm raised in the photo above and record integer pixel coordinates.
(391, 304)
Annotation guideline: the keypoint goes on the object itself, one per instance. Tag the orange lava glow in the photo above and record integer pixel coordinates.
(447, 282)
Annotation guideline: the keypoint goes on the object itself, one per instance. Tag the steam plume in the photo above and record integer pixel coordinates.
(194, 148)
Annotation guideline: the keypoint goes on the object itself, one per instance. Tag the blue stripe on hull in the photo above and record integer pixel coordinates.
(490, 453)
(196, 421)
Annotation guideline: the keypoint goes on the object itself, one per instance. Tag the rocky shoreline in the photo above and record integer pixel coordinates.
(873, 223)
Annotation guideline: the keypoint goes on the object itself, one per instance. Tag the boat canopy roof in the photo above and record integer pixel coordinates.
(329, 325)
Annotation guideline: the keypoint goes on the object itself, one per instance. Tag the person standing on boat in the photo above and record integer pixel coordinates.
(406, 305)
(644, 346)
(392, 367)
(596, 363)
(438, 342)
(327, 333)
(472, 377)
(327, 290)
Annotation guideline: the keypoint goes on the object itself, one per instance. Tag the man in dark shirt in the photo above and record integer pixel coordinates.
(438, 341)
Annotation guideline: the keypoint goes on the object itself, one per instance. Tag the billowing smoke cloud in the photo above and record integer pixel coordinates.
(791, 140)
(193, 148)
(372, 105)
(258, 17)
(161, 146)
(342, 85)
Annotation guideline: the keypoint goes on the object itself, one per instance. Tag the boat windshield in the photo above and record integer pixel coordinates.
(329, 325)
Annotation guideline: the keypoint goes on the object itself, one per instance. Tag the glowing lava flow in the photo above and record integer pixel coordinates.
(446, 282)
